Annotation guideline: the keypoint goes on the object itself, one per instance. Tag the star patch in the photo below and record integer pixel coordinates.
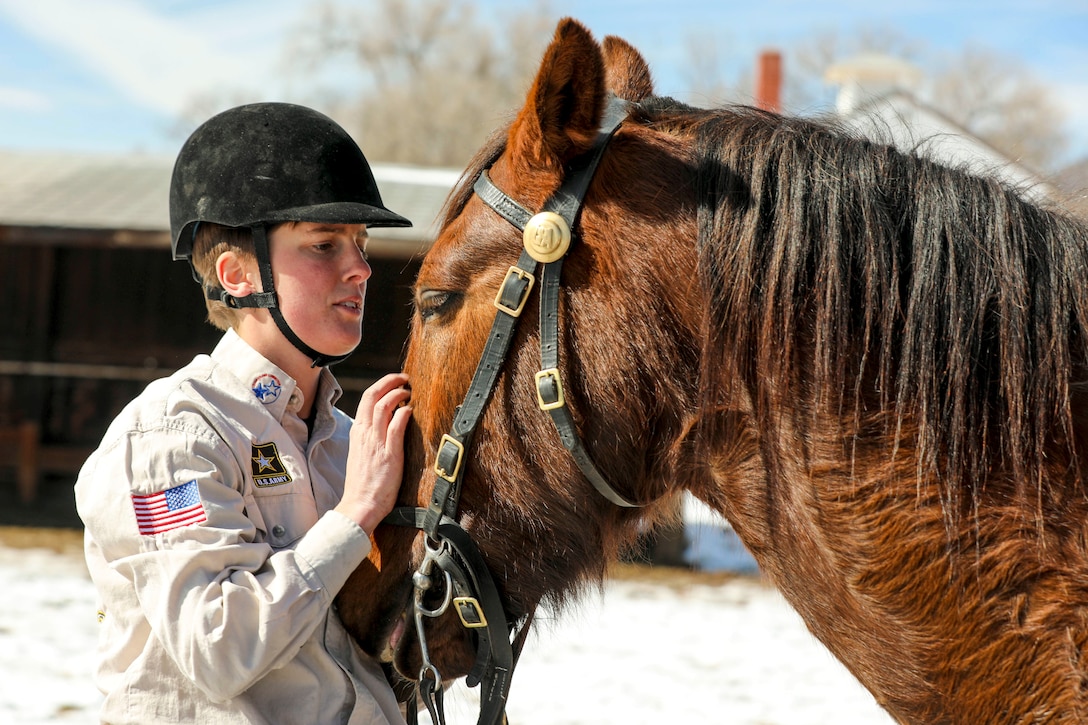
(267, 388)
(268, 469)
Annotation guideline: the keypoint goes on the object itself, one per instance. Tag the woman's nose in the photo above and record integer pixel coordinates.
(358, 266)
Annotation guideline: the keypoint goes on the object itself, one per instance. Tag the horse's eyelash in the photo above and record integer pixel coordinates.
(431, 302)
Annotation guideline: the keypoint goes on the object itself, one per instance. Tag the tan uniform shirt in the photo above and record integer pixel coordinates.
(211, 539)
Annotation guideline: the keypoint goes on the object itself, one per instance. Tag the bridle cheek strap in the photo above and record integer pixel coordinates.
(470, 591)
(567, 204)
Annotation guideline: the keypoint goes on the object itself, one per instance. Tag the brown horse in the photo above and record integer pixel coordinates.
(871, 364)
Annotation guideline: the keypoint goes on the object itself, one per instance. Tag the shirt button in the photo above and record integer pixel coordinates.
(278, 531)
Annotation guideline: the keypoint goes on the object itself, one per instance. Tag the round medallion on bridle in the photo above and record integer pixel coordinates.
(547, 237)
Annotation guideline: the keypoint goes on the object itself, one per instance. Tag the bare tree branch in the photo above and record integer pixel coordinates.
(425, 81)
(991, 95)
(1001, 102)
(432, 77)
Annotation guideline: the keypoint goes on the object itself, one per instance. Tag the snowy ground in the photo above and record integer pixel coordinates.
(682, 648)
(47, 637)
(648, 652)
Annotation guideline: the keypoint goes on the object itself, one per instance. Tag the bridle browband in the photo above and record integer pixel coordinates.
(468, 584)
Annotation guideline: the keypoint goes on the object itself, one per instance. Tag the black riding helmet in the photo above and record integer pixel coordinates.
(264, 163)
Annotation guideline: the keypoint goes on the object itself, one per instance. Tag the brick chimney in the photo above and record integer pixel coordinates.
(769, 81)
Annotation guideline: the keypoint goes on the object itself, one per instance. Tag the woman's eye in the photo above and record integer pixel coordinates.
(432, 303)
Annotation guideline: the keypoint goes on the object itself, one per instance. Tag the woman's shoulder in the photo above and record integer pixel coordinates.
(196, 398)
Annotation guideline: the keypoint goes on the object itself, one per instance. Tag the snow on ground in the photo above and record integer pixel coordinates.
(646, 652)
(47, 638)
(691, 649)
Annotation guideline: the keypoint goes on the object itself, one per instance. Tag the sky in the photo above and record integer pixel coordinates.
(112, 76)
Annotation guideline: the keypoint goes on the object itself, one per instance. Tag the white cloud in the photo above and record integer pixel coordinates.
(158, 61)
(20, 99)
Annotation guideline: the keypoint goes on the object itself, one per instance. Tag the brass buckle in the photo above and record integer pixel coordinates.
(521, 274)
(450, 476)
(560, 401)
(470, 612)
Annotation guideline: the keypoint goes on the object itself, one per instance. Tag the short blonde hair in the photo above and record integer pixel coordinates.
(209, 241)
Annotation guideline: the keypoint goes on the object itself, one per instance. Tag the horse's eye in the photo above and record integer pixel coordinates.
(432, 302)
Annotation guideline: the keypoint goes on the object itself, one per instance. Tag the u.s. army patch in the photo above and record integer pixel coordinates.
(268, 469)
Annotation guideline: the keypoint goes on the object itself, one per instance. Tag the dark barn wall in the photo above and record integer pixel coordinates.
(85, 328)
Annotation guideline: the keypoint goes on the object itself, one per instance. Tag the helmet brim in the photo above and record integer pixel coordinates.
(335, 213)
(339, 213)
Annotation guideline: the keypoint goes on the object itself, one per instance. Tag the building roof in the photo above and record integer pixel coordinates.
(874, 68)
(899, 119)
(85, 192)
(876, 99)
(1072, 182)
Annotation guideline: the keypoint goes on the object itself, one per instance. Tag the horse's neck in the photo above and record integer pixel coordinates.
(927, 609)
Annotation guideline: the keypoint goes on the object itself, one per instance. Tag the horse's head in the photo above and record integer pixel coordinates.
(630, 274)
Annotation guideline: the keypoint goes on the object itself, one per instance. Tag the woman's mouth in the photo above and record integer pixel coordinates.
(353, 306)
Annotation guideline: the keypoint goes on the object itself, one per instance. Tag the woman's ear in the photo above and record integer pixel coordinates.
(237, 275)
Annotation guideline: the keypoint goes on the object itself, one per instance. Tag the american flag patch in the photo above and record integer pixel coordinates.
(170, 509)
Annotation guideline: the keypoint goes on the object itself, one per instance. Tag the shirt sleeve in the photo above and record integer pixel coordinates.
(225, 606)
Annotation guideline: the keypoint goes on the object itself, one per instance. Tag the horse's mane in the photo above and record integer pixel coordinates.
(844, 273)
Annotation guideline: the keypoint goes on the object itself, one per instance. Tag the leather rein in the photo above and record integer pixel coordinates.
(465, 582)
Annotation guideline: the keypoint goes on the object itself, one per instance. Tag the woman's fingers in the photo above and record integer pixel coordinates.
(394, 436)
(380, 400)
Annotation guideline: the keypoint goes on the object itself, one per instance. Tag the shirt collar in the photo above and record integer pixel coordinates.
(269, 385)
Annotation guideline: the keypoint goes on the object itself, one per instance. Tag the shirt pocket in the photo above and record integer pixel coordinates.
(283, 515)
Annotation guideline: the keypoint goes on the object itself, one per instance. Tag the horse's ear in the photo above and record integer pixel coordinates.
(565, 103)
(627, 74)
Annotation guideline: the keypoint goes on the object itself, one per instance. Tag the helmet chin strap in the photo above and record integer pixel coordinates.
(268, 301)
(319, 359)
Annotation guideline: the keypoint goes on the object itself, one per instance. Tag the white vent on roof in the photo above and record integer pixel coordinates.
(869, 77)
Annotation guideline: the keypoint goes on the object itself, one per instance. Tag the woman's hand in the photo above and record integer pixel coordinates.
(376, 453)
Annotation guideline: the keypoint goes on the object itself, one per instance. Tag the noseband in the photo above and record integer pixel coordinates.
(467, 583)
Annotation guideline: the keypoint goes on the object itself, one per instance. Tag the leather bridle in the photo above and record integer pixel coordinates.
(466, 581)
